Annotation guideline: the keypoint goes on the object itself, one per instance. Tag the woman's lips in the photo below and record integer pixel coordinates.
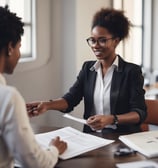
(97, 53)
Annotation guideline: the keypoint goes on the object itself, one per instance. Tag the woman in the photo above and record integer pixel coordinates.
(17, 141)
(112, 88)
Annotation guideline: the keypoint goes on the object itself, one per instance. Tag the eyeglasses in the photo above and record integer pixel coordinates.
(101, 41)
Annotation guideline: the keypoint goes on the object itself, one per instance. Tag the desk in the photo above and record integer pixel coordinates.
(100, 158)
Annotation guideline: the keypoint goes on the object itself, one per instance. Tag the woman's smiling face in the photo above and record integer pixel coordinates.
(103, 43)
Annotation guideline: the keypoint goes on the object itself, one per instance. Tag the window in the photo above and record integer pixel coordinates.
(24, 9)
(131, 49)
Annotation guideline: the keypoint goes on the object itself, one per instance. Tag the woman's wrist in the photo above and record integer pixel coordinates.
(115, 119)
(48, 105)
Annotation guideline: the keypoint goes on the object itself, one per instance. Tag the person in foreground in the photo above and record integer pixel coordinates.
(112, 88)
(17, 141)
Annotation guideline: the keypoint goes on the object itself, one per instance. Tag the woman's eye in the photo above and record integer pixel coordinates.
(102, 40)
(92, 40)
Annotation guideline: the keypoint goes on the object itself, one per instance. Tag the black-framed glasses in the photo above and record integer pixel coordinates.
(101, 41)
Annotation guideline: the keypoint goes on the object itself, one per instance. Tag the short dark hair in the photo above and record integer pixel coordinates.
(11, 28)
(113, 20)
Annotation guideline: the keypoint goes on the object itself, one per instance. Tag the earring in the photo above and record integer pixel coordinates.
(9, 53)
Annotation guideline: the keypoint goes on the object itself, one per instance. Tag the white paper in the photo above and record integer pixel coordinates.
(78, 142)
(138, 164)
(143, 142)
(83, 121)
(17, 164)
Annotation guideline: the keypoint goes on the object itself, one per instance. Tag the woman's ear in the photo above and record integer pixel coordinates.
(117, 41)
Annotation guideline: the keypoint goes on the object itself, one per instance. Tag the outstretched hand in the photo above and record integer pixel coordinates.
(36, 108)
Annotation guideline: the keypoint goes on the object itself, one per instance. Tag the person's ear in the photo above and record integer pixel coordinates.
(117, 40)
(10, 49)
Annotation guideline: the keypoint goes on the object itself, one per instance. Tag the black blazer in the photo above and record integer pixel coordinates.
(126, 95)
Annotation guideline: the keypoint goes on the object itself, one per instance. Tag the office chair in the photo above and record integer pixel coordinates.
(152, 114)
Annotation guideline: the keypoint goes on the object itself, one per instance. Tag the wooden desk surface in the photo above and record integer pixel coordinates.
(99, 158)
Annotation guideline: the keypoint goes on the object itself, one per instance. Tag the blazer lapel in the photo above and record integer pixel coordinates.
(92, 80)
(115, 85)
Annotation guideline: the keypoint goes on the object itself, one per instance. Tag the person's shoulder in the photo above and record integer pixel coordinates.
(11, 89)
(129, 65)
(11, 102)
(89, 64)
(9, 93)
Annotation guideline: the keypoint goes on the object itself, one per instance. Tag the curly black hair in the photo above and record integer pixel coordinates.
(11, 28)
(113, 20)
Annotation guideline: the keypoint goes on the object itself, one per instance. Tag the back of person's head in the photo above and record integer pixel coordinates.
(11, 28)
(113, 20)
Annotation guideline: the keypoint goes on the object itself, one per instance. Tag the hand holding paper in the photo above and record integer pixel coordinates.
(83, 121)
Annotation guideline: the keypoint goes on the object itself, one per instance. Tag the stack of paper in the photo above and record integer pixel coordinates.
(78, 142)
(138, 164)
(143, 142)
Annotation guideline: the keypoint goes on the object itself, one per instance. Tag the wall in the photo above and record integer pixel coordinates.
(85, 11)
(155, 35)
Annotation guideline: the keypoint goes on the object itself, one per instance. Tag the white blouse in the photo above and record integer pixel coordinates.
(17, 140)
(102, 90)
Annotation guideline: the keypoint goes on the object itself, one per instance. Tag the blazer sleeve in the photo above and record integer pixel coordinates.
(137, 100)
(75, 93)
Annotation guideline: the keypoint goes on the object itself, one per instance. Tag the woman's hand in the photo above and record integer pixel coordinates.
(98, 122)
(36, 108)
(59, 144)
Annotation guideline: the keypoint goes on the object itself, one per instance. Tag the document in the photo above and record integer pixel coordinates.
(17, 164)
(144, 142)
(138, 164)
(78, 142)
(83, 121)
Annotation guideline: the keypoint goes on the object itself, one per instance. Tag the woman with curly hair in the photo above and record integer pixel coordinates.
(112, 88)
